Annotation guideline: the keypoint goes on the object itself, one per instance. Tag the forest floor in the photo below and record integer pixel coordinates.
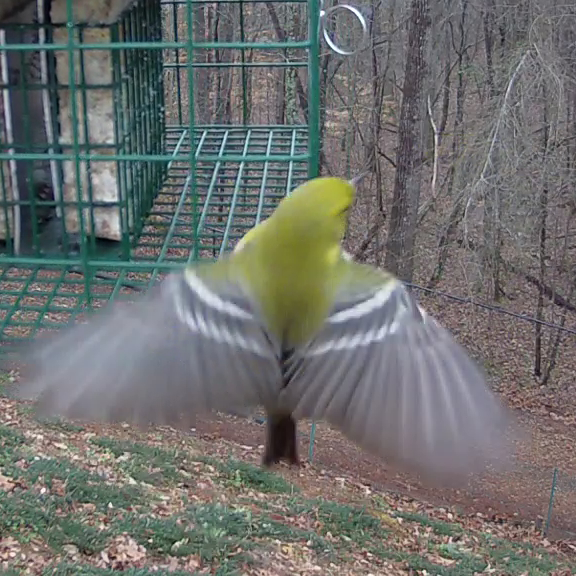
(98, 499)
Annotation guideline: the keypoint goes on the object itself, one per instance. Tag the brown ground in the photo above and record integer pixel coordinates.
(521, 494)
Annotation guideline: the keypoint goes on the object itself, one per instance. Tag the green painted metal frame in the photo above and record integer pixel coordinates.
(201, 187)
(213, 182)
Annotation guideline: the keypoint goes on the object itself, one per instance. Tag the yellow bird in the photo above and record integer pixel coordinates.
(287, 322)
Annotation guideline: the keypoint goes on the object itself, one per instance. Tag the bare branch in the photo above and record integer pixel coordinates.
(425, 207)
(482, 180)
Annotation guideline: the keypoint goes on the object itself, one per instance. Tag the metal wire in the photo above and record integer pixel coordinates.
(497, 309)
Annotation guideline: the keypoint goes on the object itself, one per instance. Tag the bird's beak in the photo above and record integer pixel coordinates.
(357, 179)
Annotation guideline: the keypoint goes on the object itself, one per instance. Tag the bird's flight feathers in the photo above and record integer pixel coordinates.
(396, 382)
(191, 345)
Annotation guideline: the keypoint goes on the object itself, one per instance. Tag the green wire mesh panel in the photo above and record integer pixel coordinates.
(134, 143)
(110, 107)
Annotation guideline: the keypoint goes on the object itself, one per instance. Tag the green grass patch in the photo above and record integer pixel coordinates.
(246, 476)
(519, 558)
(226, 538)
(80, 485)
(212, 531)
(438, 526)
(61, 425)
(10, 439)
(24, 513)
(5, 383)
(150, 464)
(24, 516)
(355, 525)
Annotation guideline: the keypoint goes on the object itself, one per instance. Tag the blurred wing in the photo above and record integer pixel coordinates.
(397, 383)
(192, 345)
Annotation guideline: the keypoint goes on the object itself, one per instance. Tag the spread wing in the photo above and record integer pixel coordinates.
(192, 345)
(397, 383)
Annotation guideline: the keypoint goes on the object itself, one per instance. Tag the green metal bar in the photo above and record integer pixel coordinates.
(192, 116)
(159, 46)
(138, 183)
(179, 144)
(82, 157)
(551, 502)
(291, 165)
(160, 137)
(75, 123)
(177, 54)
(313, 88)
(312, 440)
(180, 2)
(128, 97)
(234, 200)
(243, 66)
(241, 128)
(313, 121)
(264, 180)
(7, 175)
(134, 265)
(210, 192)
(20, 296)
(170, 232)
(178, 208)
(120, 61)
(22, 93)
(46, 307)
(91, 239)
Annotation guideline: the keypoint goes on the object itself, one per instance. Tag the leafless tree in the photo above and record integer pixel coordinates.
(406, 194)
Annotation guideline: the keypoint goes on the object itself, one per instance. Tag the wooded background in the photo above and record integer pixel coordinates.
(465, 111)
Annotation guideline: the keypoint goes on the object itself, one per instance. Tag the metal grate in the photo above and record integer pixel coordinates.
(230, 197)
(43, 213)
(183, 190)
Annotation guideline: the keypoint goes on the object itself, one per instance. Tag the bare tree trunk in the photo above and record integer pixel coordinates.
(406, 195)
(489, 26)
(280, 103)
(202, 74)
(446, 85)
(492, 259)
(565, 42)
(449, 232)
(378, 86)
(223, 32)
(10, 8)
(325, 62)
(542, 240)
(554, 344)
(290, 106)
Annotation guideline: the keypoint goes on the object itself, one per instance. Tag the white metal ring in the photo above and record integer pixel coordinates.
(355, 12)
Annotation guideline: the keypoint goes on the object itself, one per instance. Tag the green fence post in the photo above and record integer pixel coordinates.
(551, 502)
(311, 445)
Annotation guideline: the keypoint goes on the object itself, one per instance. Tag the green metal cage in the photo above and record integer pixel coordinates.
(160, 144)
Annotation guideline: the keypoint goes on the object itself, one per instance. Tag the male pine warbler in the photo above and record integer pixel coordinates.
(288, 323)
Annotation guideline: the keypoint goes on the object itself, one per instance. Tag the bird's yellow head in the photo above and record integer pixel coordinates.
(290, 257)
(319, 207)
(248, 237)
